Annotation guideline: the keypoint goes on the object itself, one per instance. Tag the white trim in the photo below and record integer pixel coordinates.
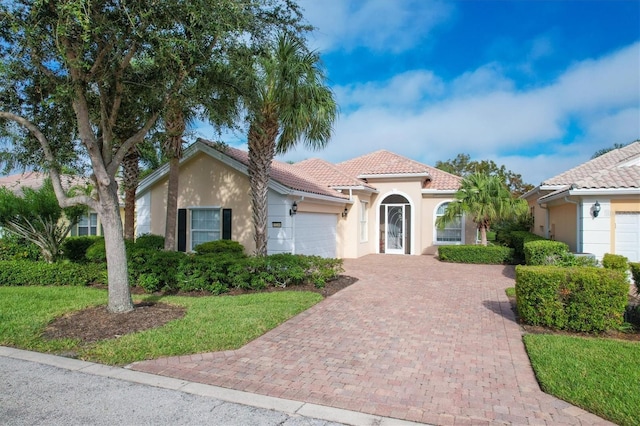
(463, 227)
(355, 188)
(439, 191)
(588, 193)
(392, 175)
(413, 222)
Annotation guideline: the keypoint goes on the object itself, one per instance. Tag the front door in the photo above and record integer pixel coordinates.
(395, 235)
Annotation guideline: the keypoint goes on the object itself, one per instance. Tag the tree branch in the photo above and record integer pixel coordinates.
(51, 165)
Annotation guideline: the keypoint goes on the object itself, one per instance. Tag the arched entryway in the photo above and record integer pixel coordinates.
(395, 225)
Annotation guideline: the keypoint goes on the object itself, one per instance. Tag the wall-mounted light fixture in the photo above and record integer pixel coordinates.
(294, 209)
(345, 212)
(596, 209)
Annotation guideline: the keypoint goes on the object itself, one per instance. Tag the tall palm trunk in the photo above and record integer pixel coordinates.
(174, 127)
(262, 148)
(131, 176)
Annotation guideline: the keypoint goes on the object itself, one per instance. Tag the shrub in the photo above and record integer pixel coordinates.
(576, 299)
(518, 240)
(205, 273)
(635, 274)
(616, 262)
(476, 254)
(97, 251)
(75, 248)
(26, 273)
(153, 269)
(150, 241)
(544, 252)
(13, 247)
(220, 246)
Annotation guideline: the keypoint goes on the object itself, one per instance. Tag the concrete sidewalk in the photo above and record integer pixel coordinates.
(42, 389)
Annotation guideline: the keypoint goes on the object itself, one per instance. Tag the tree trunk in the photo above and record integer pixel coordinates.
(261, 153)
(172, 204)
(131, 175)
(117, 272)
(483, 235)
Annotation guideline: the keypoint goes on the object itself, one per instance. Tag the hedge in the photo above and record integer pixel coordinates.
(220, 246)
(583, 299)
(27, 273)
(635, 274)
(494, 255)
(518, 240)
(75, 248)
(544, 252)
(615, 261)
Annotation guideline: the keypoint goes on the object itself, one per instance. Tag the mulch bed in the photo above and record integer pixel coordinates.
(97, 323)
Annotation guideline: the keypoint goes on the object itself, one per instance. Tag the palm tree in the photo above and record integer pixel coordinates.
(484, 198)
(289, 102)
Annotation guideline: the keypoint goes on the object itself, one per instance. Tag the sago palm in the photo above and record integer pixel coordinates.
(289, 103)
(485, 199)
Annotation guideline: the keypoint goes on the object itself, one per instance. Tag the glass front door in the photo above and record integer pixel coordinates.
(395, 235)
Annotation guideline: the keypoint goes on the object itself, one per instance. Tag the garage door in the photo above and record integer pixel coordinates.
(628, 235)
(316, 234)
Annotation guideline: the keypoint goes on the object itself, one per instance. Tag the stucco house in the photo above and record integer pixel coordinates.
(378, 203)
(594, 207)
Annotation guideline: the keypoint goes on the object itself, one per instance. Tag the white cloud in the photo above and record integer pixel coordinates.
(379, 25)
(481, 113)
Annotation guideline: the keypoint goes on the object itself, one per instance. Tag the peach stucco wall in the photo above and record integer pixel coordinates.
(563, 224)
(206, 182)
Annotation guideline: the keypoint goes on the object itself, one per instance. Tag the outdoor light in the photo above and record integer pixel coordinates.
(344, 213)
(294, 209)
(596, 209)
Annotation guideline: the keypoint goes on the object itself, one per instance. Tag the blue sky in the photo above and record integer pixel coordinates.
(536, 85)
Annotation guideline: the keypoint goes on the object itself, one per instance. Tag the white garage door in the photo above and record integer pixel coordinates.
(628, 235)
(316, 234)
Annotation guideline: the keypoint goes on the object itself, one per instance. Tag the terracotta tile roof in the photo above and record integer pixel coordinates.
(328, 174)
(283, 173)
(387, 163)
(616, 169)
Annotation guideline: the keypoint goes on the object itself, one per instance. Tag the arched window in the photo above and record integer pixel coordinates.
(452, 231)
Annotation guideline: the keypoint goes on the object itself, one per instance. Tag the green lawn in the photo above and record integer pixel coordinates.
(600, 375)
(210, 324)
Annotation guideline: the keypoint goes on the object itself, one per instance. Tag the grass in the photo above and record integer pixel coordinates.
(599, 375)
(210, 324)
(510, 291)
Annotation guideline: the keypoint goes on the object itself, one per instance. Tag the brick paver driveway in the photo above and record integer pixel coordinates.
(413, 339)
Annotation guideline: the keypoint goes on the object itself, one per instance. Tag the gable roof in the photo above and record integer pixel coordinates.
(328, 174)
(619, 168)
(617, 171)
(35, 180)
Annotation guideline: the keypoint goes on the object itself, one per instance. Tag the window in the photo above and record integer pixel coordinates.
(452, 231)
(205, 226)
(87, 225)
(364, 231)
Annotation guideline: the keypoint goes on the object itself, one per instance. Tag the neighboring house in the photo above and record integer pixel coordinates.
(88, 224)
(595, 207)
(377, 203)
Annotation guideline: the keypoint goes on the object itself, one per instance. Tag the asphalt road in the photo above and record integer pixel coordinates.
(32, 393)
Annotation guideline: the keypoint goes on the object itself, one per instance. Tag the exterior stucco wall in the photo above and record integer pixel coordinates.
(540, 225)
(563, 226)
(596, 231)
(350, 243)
(206, 182)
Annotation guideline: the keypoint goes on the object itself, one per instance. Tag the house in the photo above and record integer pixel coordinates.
(594, 207)
(378, 203)
(88, 224)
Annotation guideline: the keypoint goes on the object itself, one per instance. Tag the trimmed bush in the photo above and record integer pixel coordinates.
(616, 262)
(576, 299)
(519, 239)
(150, 241)
(220, 246)
(26, 273)
(13, 247)
(205, 273)
(635, 274)
(153, 269)
(75, 248)
(544, 252)
(494, 255)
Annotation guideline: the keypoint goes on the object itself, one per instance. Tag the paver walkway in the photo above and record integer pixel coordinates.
(413, 339)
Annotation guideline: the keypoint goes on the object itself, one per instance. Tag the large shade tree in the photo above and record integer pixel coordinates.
(289, 103)
(485, 199)
(70, 62)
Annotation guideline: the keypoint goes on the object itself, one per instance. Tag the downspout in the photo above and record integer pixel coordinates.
(578, 218)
